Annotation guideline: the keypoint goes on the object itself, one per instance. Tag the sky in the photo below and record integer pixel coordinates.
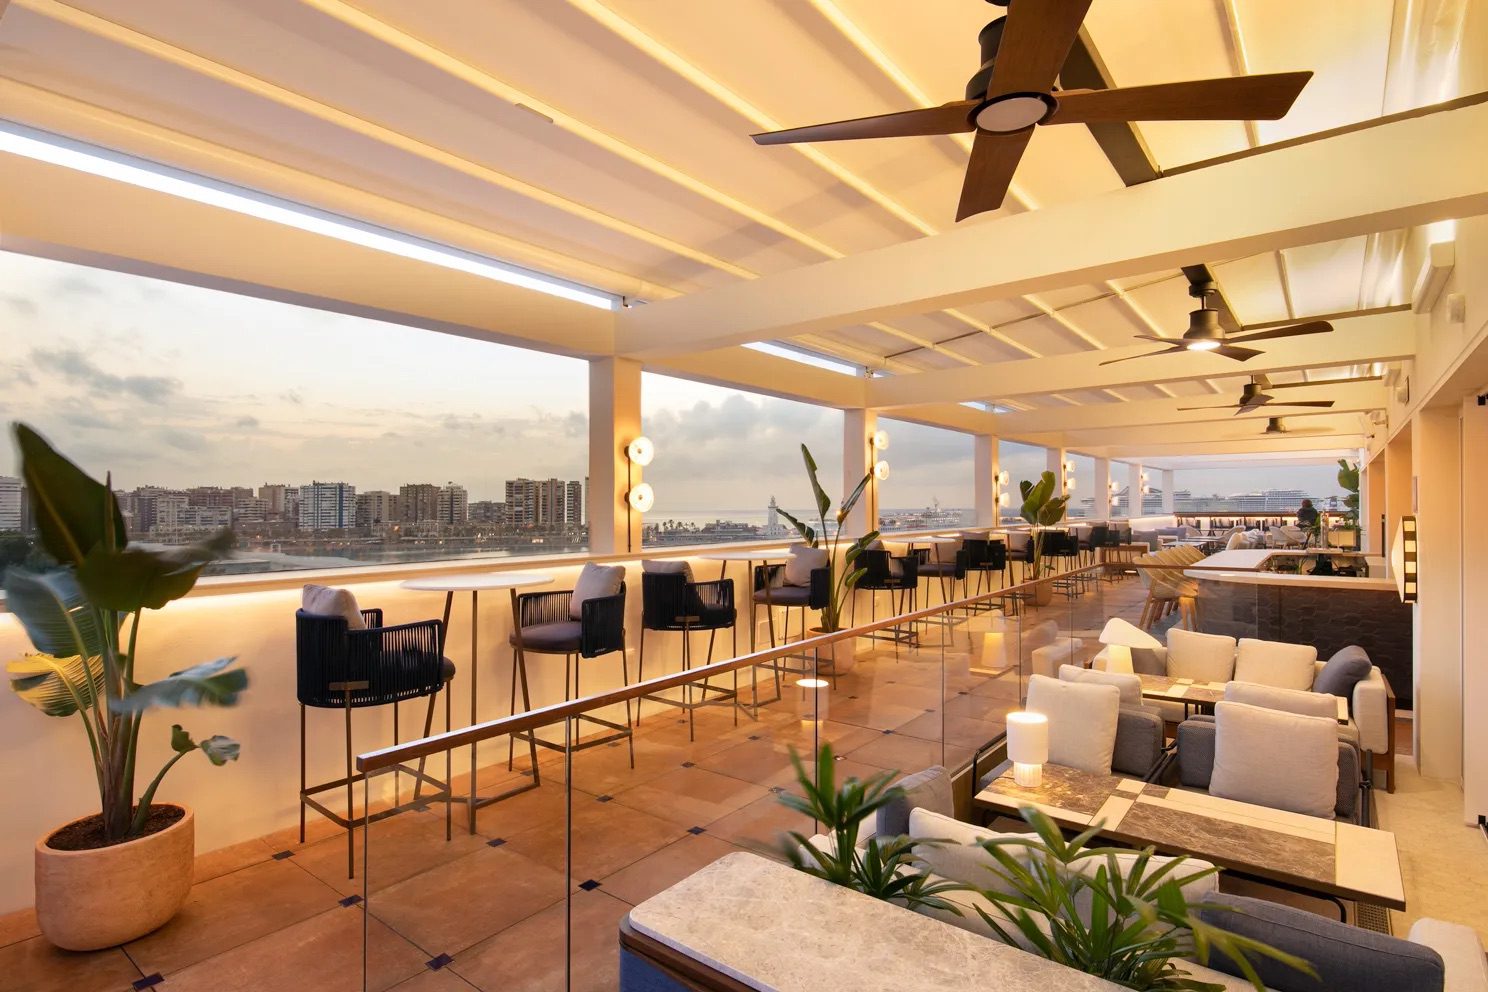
(175, 385)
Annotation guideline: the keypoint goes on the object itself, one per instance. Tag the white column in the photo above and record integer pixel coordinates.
(614, 421)
(857, 427)
(1474, 559)
(1436, 454)
(1167, 490)
(1372, 504)
(1134, 489)
(1056, 463)
(1100, 507)
(987, 466)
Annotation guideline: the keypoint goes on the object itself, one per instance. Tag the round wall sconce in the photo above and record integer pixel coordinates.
(1003, 478)
(880, 470)
(641, 498)
(640, 451)
(879, 440)
(1002, 498)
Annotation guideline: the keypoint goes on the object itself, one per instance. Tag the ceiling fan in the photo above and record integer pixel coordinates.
(1205, 334)
(1014, 90)
(1254, 396)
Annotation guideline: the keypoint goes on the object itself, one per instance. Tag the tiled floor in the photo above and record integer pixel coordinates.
(487, 910)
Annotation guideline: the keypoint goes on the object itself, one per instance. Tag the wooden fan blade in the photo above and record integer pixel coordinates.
(1238, 354)
(948, 118)
(994, 159)
(1316, 403)
(1325, 382)
(1035, 42)
(1294, 331)
(1238, 98)
(1150, 354)
(1190, 409)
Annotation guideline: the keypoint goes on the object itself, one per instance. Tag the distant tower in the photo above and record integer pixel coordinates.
(772, 519)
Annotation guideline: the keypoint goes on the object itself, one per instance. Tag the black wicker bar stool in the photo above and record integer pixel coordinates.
(346, 659)
(899, 577)
(580, 624)
(672, 601)
(782, 587)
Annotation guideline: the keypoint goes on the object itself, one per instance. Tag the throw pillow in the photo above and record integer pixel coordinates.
(1347, 668)
(323, 601)
(601, 582)
(1286, 666)
(960, 857)
(928, 790)
(1129, 685)
(802, 562)
(1281, 760)
(1201, 657)
(1082, 721)
(1286, 700)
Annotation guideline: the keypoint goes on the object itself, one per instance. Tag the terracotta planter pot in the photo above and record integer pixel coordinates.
(87, 900)
(1043, 593)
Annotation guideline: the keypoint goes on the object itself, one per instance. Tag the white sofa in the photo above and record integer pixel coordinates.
(1216, 658)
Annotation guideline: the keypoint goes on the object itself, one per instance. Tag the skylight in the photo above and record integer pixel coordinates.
(986, 407)
(804, 357)
(44, 147)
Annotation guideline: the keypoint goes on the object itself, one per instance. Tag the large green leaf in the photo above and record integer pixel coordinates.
(56, 686)
(852, 499)
(207, 684)
(74, 512)
(57, 615)
(136, 577)
(218, 749)
(808, 534)
(823, 501)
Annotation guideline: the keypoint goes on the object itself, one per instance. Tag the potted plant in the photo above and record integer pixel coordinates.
(882, 868)
(1129, 924)
(1348, 481)
(1042, 510)
(840, 581)
(116, 874)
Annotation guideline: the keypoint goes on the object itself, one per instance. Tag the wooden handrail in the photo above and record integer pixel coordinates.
(374, 761)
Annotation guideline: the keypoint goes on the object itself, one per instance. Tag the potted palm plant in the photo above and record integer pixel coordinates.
(116, 874)
(1348, 481)
(1042, 509)
(840, 581)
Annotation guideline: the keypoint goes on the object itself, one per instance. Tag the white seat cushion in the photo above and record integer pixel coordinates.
(1287, 700)
(961, 858)
(1201, 657)
(802, 562)
(1082, 721)
(1277, 663)
(1127, 684)
(603, 581)
(1270, 758)
(323, 601)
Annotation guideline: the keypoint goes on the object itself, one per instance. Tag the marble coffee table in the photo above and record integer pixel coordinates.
(1329, 858)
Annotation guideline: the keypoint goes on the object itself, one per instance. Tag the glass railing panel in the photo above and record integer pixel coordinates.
(482, 901)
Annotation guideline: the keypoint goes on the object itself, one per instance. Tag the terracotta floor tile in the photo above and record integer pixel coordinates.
(607, 836)
(317, 828)
(760, 826)
(231, 910)
(638, 882)
(402, 846)
(529, 957)
(230, 859)
(443, 980)
(36, 966)
(18, 926)
(448, 908)
(907, 755)
(691, 796)
(323, 953)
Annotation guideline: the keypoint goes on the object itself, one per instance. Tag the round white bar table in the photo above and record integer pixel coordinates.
(476, 583)
(764, 557)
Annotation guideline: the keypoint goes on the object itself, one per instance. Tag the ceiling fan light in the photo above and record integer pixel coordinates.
(1202, 344)
(1013, 112)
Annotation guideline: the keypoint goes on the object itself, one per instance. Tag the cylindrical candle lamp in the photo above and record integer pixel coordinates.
(1028, 746)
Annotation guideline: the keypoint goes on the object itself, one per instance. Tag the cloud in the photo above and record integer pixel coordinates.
(179, 439)
(21, 305)
(74, 366)
(247, 423)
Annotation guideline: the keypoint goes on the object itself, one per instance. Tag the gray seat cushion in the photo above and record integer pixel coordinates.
(551, 638)
(785, 596)
(1139, 741)
(1347, 668)
(1344, 956)
(937, 568)
(929, 790)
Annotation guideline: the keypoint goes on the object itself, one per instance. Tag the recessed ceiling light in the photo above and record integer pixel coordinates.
(55, 150)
